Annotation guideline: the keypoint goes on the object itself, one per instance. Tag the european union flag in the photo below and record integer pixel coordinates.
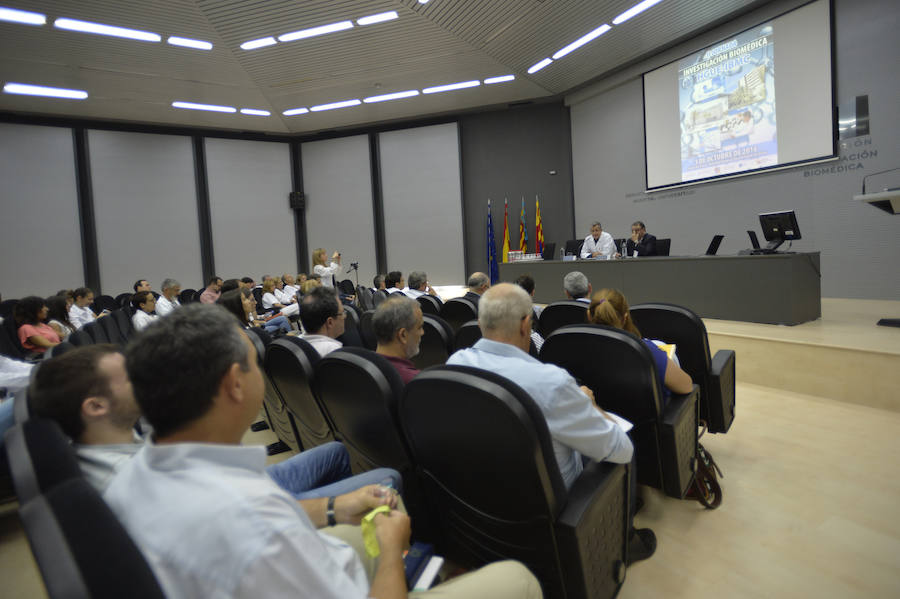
(492, 248)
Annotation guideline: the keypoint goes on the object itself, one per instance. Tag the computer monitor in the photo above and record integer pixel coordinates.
(779, 227)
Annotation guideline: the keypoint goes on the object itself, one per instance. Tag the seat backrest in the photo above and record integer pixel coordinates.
(430, 304)
(359, 390)
(379, 297)
(126, 325)
(436, 344)
(467, 335)
(104, 302)
(40, 457)
(9, 339)
(366, 332)
(95, 330)
(663, 246)
(573, 247)
(458, 311)
(58, 350)
(277, 414)
(560, 314)
(110, 326)
(351, 336)
(81, 548)
(496, 499)
(123, 299)
(364, 298)
(79, 338)
(346, 287)
(290, 365)
(8, 308)
(681, 326)
(186, 296)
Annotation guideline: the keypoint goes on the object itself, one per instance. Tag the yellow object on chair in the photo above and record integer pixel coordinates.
(368, 530)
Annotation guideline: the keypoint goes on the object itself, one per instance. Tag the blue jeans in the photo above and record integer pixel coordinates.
(279, 323)
(324, 471)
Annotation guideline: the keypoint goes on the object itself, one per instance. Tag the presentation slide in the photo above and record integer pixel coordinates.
(726, 99)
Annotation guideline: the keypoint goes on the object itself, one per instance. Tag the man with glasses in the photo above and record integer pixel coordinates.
(322, 316)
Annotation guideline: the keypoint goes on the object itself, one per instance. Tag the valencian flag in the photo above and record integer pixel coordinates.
(538, 230)
(492, 248)
(504, 254)
(523, 232)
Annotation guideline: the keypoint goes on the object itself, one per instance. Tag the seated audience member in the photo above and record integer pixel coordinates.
(80, 313)
(398, 326)
(393, 282)
(325, 271)
(248, 283)
(58, 316)
(242, 304)
(35, 334)
(87, 391)
(212, 292)
(641, 242)
(168, 299)
(283, 296)
(290, 288)
(609, 307)
(270, 300)
(478, 283)
(322, 316)
(526, 282)
(144, 304)
(378, 283)
(598, 244)
(228, 285)
(578, 426)
(310, 284)
(418, 285)
(577, 287)
(210, 522)
(141, 285)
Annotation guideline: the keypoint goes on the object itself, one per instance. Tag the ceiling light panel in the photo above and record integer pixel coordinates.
(208, 107)
(501, 79)
(539, 65)
(315, 31)
(379, 18)
(582, 41)
(295, 111)
(27, 89)
(260, 43)
(22, 16)
(394, 96)
(635, 10)
(335, 105)
(255, 112)
(450, 87)
(110, 30)
(189, 43)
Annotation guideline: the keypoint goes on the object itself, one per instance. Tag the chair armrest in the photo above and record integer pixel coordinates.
(591, 531)
(678, 442)
(721, 390)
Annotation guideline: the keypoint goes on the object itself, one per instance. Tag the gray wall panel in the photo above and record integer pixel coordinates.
(252, 224)
(338, 186)
(858, 243)
(423, 202)
(146, 209)
(41, 240)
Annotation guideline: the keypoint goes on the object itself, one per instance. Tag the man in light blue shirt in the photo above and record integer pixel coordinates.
(579, 427)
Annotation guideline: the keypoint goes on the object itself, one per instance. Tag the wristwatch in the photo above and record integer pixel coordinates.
(329, 512)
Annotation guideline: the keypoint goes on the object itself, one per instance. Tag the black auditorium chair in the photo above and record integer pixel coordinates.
(507, 500)
(278, 418)
(186, 296)
(290, 363)
(560, 314)
(662, 247)
(257, 295)
(80, 337)
(9, 340)
(365, 330)
(359, 390)
(714, 375)
(573, 247)
(364, 298)
(458, 311)
(21, 406)
(619, 369)
(379, 296)
(123, 299)
(436, 344)
(430, 304)
(104, 302)
(81, 548)
(351, 336)
(8, 308)
(95, 330)
(197, 295)
(467, 335)
(126, 326)
(346, 287)
(40, 457)
(58, 350)
(110, 326)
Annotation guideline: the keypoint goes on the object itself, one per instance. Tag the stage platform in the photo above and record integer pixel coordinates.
(843, 355)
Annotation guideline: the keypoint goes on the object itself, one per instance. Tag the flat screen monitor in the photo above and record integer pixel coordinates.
(779, 227)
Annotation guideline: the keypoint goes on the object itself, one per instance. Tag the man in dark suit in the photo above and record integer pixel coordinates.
(478, 283)
(641, 242)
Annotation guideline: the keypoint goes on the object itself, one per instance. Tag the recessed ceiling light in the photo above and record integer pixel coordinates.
(582, 41)
(40, 90)
(500, 79)
(260, 43)
(189, 43)
(379, 18)
(423, 1)
(322, 30)
(22, 16)
(255, 112)
(101, 29)
(394, 96)
(637, 8)
(450, 87)
(210, 107)
(294, 111)
(538, 66)
(334, 105)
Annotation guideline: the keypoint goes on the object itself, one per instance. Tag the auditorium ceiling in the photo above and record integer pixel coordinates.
(299, 68)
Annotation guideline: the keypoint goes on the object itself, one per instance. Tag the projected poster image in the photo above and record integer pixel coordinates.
(727, 106)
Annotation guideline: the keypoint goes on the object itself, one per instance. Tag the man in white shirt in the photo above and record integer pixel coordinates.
(143, 303)
(208, 520)
(290, 289)
(80, 313)
(168, 301)
(577, 287)
(418, 285)
(393, 283)
(598, 244)
(322, 316)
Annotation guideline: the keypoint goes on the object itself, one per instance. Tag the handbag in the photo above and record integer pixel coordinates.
(705, 487)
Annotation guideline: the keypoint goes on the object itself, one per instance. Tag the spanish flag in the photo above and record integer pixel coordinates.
(504, 255)
(538, 230)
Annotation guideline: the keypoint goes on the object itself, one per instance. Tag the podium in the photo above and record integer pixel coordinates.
(889, 201)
